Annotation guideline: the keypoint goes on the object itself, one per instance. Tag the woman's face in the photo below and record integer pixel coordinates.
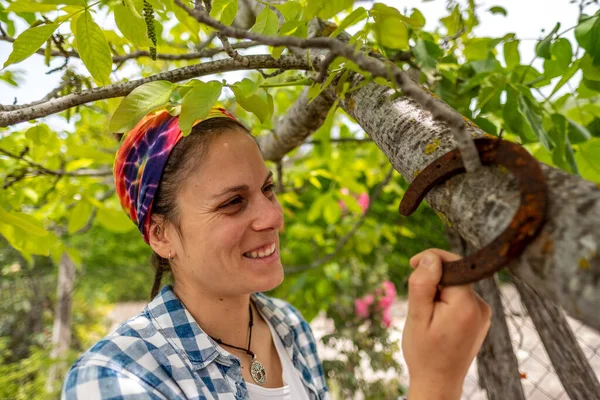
(229, 222)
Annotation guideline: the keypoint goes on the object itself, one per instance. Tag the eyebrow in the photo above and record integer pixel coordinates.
(239, 188)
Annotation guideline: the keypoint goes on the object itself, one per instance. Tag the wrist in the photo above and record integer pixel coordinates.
(434, 390)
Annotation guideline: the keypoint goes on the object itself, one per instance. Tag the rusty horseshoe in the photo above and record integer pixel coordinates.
(525, 224)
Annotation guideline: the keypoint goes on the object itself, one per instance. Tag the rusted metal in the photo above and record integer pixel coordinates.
(525, 224)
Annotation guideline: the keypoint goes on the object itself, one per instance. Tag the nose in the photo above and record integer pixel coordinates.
(268, 214)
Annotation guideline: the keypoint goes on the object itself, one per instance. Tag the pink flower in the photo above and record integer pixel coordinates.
(361, 306)
(387, 317)
(363, 201)
(389, 295)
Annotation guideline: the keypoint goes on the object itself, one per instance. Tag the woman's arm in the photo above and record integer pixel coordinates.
(442, 335)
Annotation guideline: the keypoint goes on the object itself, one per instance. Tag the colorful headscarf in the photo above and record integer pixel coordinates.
(141, 159)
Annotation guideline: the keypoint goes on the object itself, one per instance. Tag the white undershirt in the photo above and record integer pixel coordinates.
(292, 389)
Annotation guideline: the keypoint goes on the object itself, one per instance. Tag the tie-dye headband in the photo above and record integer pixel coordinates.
(141, 159)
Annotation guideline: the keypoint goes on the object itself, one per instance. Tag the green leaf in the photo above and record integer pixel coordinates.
(587, 34)
(30, 6)
(542, 48)
(93, 48)
(224, 11)
(416, 19)
(511, 54)
(29, 42)
(197, 103)
(131, 25)
(534, 120)
(498, 10)
(390, 29)
(114, 220)
(254, 103)
(25, 222)
(79, 216)
(351, 19)
(290, 10)
(477, 49)
(266, 23)
(588, 159)
(332, 211)
(578, 133)
(567, 76)
(140, 102)
(328, 9)
(426, 53)
(562, 53)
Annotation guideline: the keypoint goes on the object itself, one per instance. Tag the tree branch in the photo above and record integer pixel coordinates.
(41, 170)
(200, 53)
(376, 67)
(300, 121)
(39, 110)
(346, 237)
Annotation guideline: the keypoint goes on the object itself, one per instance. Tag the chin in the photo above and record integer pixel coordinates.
(268, 281)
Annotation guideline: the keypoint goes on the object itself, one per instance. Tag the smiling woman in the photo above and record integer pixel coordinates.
(206, 205)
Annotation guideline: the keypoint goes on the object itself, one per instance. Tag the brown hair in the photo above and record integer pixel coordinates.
(185, 158)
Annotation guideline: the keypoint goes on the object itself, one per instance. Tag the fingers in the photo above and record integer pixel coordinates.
(422, 288)
(443, 254)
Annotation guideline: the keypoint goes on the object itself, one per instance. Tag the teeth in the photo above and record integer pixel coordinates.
(263, 253)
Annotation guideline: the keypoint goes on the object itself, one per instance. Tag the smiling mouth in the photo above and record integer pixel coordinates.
(263, 252)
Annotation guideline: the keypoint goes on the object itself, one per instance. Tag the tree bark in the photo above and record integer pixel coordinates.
(563, 261)
(497, 365)
(300, 121)
(61, 331)
(572, 368)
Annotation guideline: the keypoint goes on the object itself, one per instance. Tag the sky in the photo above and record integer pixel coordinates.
(526, 18)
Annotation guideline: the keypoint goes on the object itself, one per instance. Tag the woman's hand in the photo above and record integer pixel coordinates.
(441, 337)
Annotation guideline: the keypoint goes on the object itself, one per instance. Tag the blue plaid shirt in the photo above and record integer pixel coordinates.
(162, 353)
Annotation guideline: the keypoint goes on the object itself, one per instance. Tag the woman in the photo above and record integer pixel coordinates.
(206, 205)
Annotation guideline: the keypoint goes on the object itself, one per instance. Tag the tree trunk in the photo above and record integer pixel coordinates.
(563, 261)
(573, 369)
(497, 365)
(61, 331)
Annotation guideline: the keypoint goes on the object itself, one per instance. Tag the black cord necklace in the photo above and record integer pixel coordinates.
(257, 370)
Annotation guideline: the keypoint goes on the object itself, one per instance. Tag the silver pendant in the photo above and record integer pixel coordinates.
(258, 372)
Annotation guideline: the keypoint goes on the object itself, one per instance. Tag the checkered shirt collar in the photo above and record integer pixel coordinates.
(180, 329)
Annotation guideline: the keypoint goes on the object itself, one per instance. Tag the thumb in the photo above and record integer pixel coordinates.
(422, 288)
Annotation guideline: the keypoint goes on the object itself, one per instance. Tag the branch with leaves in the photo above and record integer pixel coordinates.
(374, 66)
(43, 109)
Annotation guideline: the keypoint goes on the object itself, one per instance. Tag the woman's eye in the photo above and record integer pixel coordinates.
(269, 188)
(232, 202)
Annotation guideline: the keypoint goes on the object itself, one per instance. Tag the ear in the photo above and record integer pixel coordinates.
(159, 237)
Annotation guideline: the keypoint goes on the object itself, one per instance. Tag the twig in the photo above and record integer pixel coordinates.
(324, 69)
(207, 42)
(322, 261)
(201, 52)
(229, 50)
(272, 74)
(376, 67)
(38, 109)
(41, 170)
